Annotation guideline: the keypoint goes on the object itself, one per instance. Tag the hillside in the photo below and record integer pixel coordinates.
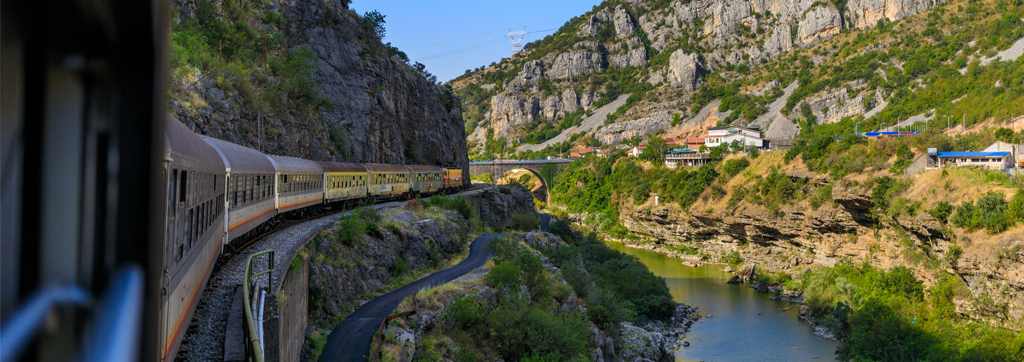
(308, 79)
(783, 66)
(835, 220)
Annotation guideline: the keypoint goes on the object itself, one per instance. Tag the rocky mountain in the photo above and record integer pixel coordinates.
(308, 79)
(773, 63)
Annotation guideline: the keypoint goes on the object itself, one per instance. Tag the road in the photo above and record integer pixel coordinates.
(350, 340)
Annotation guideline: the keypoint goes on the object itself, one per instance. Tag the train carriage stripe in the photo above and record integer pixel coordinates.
(173, 338)
(248, 220)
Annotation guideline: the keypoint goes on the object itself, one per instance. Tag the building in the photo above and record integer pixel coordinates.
(637, 150)
(604, 153)
(694, 143)
(1016, 150)
(681, 157)
(726, 135)
(992, 160)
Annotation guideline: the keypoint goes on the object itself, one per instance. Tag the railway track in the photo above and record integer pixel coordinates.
(204, 339)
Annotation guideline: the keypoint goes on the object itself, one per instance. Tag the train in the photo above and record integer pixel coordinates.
(219, 194)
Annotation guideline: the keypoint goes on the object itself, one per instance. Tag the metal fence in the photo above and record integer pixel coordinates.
(254, 326)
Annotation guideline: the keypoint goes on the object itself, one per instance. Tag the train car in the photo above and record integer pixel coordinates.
(387, 181)
(425, 180)
(300, 184)
(452, 179)
(249, 203)
(344, 182)
(193, 229)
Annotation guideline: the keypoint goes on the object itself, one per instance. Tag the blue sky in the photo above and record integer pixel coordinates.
(451, 36)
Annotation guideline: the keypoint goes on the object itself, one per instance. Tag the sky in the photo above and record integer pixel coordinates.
(450, 36)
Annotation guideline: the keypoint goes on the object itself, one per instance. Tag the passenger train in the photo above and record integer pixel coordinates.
(219, 194)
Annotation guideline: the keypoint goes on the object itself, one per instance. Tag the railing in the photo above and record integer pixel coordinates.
(254, 326)
(117, 318)
(556, 160)
(384, 324)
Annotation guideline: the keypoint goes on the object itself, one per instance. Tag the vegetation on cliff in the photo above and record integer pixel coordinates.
(889, 315)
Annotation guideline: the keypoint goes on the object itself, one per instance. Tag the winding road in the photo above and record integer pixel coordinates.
(350, 340)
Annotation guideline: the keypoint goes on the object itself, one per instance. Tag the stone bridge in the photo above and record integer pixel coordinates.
(499, 168)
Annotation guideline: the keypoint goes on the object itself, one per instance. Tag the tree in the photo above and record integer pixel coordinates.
(655, 151)
(374, 21)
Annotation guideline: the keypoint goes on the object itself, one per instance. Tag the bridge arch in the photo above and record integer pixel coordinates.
(502, 167)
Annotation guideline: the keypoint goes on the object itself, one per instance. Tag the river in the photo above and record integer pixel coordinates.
(746, 325)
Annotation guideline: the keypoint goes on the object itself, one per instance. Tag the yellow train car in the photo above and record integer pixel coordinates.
(299, 184)
(344, 182)
(426, 179)
(452, 179)
(387, 181)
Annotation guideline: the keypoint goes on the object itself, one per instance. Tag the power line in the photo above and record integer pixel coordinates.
(474, 47)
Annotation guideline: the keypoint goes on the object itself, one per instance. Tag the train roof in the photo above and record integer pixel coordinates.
(295, 165)
(423, 168)
(381, 167)
(240, 159)
(183, 141)
(342, 166)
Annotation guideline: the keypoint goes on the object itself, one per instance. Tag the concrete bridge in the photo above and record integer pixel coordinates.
(499, 168)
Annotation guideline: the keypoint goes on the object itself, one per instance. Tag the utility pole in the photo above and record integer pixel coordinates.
(855, 127)
(220, 52)
(259, 128)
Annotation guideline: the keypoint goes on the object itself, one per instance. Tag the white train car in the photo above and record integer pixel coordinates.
(300, 184)
(249, 204)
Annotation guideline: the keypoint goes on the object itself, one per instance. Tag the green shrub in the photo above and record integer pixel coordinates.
(507, 274)
(525, 222)
(732, 259)
(733, 167)
(990, 214)
(348, 231)
(400, 268)
(941, 211)
(454, 203)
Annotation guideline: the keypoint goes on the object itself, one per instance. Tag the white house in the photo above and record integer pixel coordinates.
(726, 135)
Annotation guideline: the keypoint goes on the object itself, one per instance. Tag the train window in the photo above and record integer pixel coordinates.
(184, 188)
(174, 191)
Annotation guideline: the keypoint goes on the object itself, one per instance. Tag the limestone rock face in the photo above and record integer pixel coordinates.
(683, 70)
(570, 101)
(643, 127)
(636, 57)
(378, 105)
(867, 13)
(780, 41)
(574, 64)
(820, 23)
(623, 23)
(509, 113)
(527, 79)
(594, 23)
(552, 105)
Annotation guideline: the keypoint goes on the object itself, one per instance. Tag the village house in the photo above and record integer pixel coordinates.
(726, 135)
(1001, 160)
(637, 150)
(681, 157)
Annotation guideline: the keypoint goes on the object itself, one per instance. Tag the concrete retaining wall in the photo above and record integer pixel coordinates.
(288, 308)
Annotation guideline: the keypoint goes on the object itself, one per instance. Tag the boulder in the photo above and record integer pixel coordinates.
(746, 272)
(684, 70)
(867, 13)
(509, 113)
(636, 57)
(734, 280)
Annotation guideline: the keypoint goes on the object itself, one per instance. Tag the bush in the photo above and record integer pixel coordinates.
(990, 213)
(400, 268)
(507, 274)
(733, 259)
(733, 167)
(454, 203)
(941, 211)
(525, 222)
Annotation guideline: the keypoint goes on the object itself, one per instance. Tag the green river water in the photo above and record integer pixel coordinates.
(745, 326)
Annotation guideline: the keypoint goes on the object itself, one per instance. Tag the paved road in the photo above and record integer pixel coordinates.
(350, 340)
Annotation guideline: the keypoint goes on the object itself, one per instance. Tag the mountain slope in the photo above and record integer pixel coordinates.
(773, 64)
(308, 79)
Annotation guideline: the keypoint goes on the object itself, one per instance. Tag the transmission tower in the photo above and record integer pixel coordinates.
(517, 45)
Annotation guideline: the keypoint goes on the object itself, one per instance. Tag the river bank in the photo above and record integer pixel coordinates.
(740, 323)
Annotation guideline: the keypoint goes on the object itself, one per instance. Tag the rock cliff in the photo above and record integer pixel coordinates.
(674, 48)
(367, 105)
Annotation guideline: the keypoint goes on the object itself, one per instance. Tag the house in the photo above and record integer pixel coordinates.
(727, 135)
(1016, 150)
(669, 142)
(637, 150)
(694, 143)
(681, 157)
(992, 160)
(604, 153)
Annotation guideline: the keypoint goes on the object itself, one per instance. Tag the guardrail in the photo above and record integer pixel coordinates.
(383, 326)
(254, 327)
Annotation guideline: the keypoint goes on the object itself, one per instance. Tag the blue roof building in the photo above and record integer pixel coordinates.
(992, 160)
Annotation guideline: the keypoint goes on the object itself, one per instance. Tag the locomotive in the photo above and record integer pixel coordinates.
(219, 193)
